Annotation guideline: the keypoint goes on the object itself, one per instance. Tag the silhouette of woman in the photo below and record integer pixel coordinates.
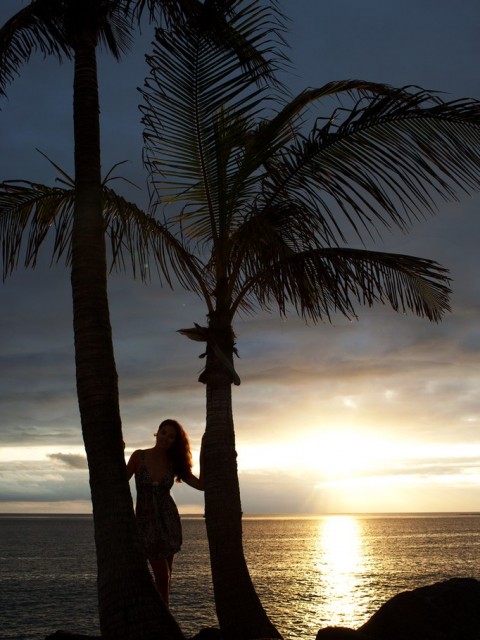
(157, 515)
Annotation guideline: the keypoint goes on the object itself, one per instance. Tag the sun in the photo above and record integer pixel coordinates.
(344, 451)
(327, 454)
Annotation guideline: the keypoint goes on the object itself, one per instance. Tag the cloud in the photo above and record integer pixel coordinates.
(44, 506)
(70, 460)
(37, 482)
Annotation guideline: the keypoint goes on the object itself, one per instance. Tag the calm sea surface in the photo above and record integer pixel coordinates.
(309, 573)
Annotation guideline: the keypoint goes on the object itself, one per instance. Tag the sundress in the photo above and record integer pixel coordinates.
(158, 520)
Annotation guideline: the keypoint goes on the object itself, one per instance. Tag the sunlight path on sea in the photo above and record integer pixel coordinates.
(311, 572)
(338, 559)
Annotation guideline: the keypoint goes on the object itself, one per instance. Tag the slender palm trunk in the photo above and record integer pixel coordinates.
(239, 610)
(129, 606)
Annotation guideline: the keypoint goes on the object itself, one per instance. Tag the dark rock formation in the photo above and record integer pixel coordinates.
(68, 635)
(208, 633)
(342, 633)
(447, 610)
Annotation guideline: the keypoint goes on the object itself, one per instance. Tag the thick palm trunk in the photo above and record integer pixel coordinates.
(239, 610)
(129, 606)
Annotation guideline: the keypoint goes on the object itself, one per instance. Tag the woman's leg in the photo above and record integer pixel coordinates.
(162, 571)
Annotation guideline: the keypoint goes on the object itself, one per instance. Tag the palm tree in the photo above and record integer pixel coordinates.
(128, 604)
(260, 214)
(72, 29)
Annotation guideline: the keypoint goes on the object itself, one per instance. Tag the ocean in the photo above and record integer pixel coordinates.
(309, 572)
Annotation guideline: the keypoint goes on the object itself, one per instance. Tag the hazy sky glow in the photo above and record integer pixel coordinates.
(382, 414)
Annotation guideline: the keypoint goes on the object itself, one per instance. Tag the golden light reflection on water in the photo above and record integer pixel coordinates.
(339, 561)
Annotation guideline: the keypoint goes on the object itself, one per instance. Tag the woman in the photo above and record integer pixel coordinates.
(157, 515)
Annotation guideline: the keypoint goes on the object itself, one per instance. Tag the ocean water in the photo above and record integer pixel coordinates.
(308, 572)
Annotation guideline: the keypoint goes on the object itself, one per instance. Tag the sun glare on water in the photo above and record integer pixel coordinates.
(337, 564)
(339, 549)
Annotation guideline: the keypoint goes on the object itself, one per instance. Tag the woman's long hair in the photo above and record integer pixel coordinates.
(179, 453)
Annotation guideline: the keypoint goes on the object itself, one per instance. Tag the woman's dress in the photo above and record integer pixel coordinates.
(158, 520)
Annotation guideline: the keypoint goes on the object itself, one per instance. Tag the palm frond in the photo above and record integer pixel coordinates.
(322, 281)
(389, 160)
(139, 238)
(272, 135)
(253, 32)
(258, 55)
(29, 212)
(172, 12)
(115, 28)
(63, 177)
(37, 27)
(193, 89)
(32, 213)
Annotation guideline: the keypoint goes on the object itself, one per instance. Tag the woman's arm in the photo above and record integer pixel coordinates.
(132, 464)
(193, 481)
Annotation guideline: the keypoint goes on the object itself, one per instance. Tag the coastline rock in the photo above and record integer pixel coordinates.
(448, 610)
(68, 635)
(342, 633)
(208, 633)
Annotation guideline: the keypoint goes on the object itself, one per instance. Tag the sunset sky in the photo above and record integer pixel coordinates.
(379, 415)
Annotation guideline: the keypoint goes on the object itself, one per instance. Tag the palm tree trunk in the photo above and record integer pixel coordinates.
(240, 613)
(129, 605)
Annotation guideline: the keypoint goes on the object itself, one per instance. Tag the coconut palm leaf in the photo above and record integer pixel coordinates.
(28, 213)
(390, 159)
(320, 282)
(190, 80)
(139, 239)
(33, 28)
(116, 31)
(47, 26)
(258, 52)
(282, 128)
(263, 197)
(32, 214)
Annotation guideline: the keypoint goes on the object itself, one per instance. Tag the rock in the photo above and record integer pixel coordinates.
(68, 635)
(448, 610)
(341, 633)
(208, 633)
